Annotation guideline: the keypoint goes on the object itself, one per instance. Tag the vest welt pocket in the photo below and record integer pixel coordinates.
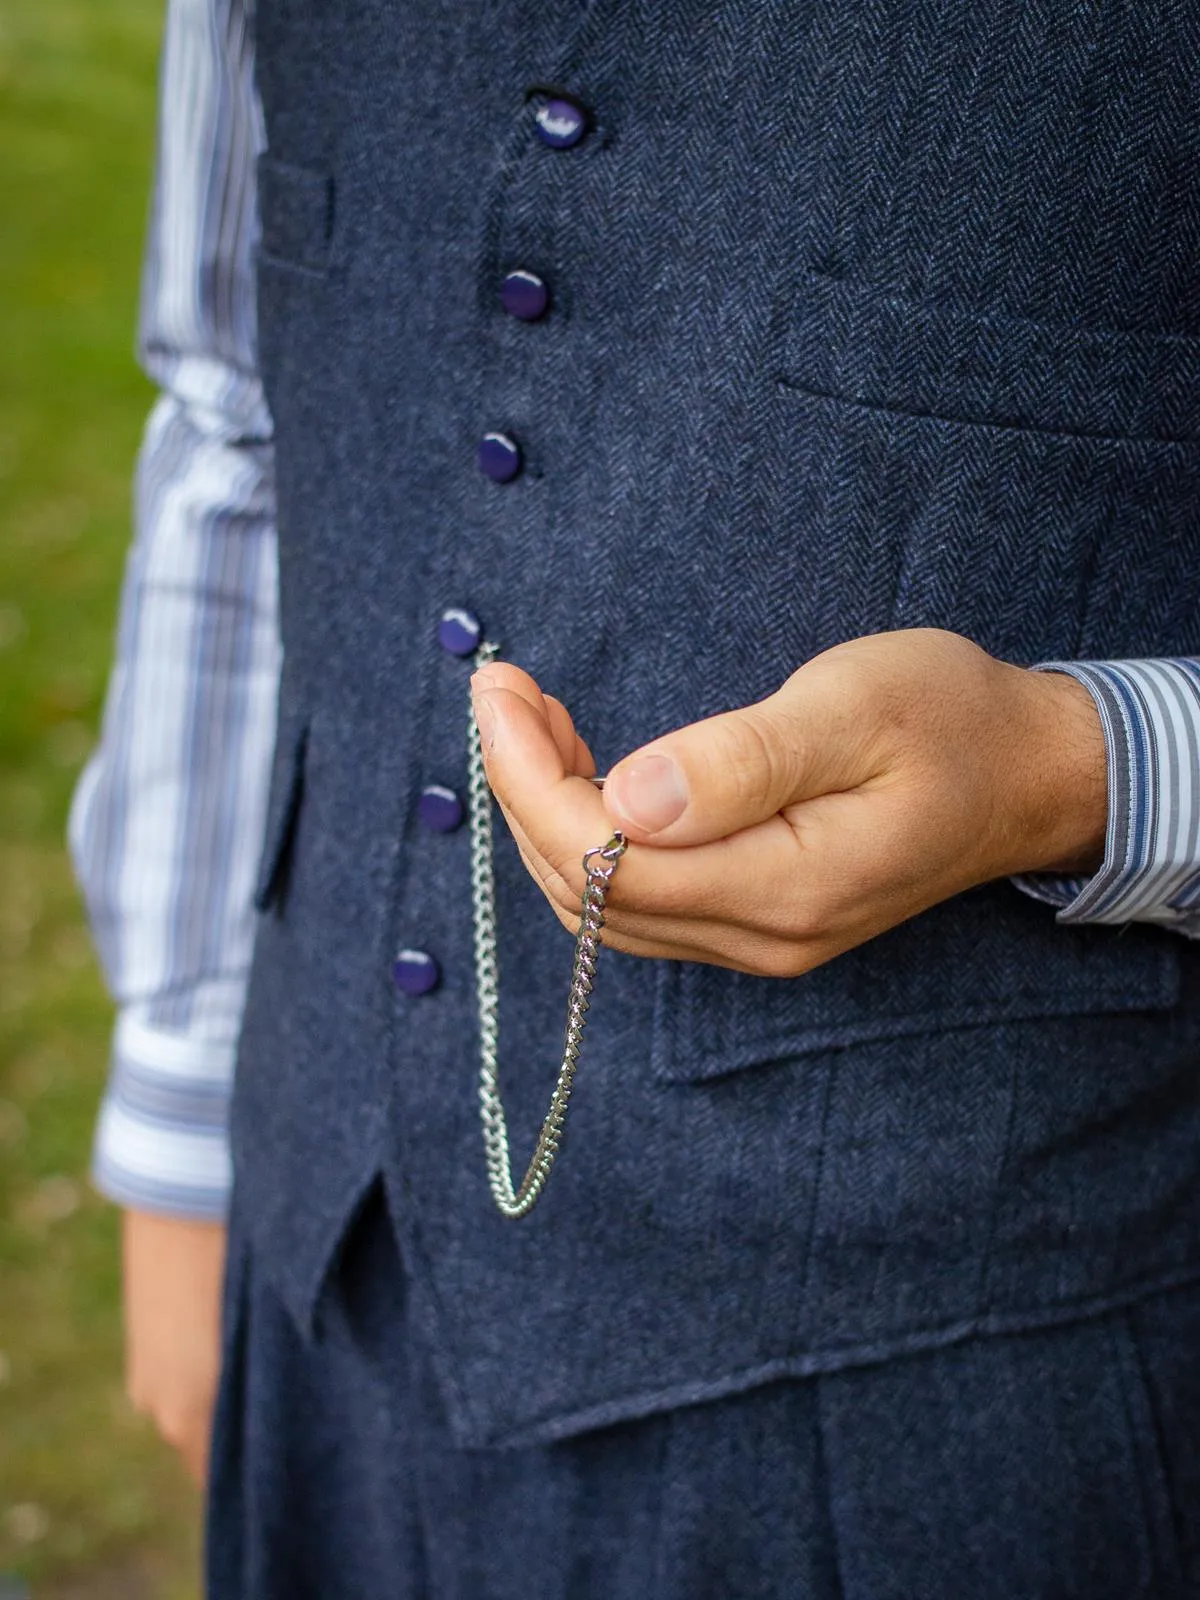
(987, 957)
(296, 205)
(283, 811)
(861, 344)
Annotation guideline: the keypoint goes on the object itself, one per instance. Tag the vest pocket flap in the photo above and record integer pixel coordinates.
(296, 205)
(863, 344)
(283, 808)
(986, 957)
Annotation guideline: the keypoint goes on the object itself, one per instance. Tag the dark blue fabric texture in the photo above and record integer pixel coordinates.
(866, 314)
(1057, 1465)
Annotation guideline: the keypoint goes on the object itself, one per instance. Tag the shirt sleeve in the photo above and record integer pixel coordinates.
(1150, 713)
(167, 819)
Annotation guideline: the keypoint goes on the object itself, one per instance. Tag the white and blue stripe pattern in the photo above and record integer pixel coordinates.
(168, 816)
(1150, 712)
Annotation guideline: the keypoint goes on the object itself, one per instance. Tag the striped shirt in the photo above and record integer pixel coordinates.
(169, 813)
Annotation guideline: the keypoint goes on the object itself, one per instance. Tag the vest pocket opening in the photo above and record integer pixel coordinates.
(986, 957)
(864, 345)
(296, 205)
(283, 810)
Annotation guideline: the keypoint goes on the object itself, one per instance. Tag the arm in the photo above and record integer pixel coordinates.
(168, 816)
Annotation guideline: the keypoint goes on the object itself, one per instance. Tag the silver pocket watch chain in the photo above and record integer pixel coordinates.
(599, 865)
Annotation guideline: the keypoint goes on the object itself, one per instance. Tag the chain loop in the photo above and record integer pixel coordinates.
(519, 1201)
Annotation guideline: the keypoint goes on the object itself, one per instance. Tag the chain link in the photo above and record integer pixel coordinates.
(599, 865)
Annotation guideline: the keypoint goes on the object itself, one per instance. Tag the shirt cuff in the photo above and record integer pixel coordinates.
(1150, 714)
(162, 1141)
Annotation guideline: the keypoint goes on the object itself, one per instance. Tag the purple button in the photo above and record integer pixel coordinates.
(440, 808)
(415, 972)
(525, 295)
(560, 123)
(459, 631)
(499, 457)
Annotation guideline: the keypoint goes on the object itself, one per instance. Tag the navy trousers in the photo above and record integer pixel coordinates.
(1058, 1463)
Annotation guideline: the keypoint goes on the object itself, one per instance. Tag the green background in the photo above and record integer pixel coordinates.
(91, 1505)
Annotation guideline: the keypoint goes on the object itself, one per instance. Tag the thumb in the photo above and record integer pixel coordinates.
(729, 772)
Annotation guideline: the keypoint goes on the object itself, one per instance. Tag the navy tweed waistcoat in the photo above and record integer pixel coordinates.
(863, 314)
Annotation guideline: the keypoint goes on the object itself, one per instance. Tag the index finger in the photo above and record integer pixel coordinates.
(563, 816)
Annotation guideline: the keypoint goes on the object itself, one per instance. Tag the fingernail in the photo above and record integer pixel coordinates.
(485, 717)
(484, 678)
(650, 792)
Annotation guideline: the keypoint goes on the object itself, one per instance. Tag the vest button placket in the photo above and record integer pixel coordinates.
(415, 972)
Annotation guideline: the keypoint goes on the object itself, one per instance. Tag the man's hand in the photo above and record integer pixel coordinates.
(173, 1273)
(884, 776)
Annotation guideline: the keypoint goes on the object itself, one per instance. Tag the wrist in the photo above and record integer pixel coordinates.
(1063, 777)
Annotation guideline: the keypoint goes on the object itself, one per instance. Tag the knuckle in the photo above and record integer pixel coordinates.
(554, 865)
(566, 872)
(786, 960)
(548, 878)
(562, 896)
(804, 924)
(761, 761)
(750, 757)
(614, 939)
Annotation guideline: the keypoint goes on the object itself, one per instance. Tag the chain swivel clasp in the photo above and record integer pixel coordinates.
(610, 852)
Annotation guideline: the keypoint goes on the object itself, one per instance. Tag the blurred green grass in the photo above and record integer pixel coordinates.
(90, 1505)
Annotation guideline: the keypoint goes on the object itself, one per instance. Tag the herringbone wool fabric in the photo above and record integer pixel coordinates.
(1060, 1464)
(862, 316)
(167, 819)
